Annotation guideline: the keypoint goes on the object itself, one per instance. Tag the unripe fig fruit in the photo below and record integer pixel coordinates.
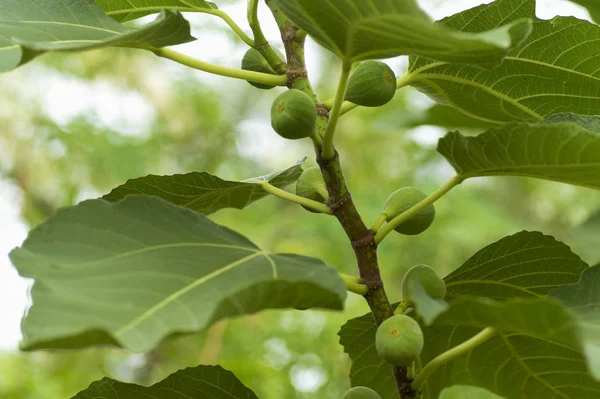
(399, 340)
(254, 61)
(294, 115)
(371, 84)
(309, 184)
(402, 200)
(433, 285)
(361, 393)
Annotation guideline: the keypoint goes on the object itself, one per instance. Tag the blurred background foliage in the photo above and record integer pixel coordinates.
(183, 122)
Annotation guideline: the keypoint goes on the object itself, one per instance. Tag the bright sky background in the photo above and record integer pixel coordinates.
(65, 99)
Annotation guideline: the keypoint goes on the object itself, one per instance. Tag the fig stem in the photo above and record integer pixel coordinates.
(378, 222)
(257, 77)
(235, 27)
(322, 190)
(395, 222)
(328, 151)
(451, 354)
(317, 206)
(260, 41)
(353, 284)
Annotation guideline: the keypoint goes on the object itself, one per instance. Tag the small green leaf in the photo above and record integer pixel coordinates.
(583, 299)
(206, 382)
(204, 192)
(133, 272)
(358, 30)
(127, 10)
(426, 307)
(593, 6)
(555, 70)
(559, 149)
(29, 28)
(527, 265)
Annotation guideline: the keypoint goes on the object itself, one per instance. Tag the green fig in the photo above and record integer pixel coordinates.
(402, 200)
(311, 185)
(361, 393)
(399, 340)
(254, 61)
(371, 84)
(294, 115)
(433, 284)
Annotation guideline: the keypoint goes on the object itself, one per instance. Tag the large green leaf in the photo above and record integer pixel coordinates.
(467, 392)
(133, 272)
(583, 299)
(526, 265)
(555, 70)
(563, 151)
(358, 30)
(126, 10)
(593, 7)
(206, 382)
(204, 192)
(29, 28)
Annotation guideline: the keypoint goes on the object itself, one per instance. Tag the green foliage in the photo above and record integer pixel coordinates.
(402, 200)
(361, 393)
(294, 115)
(254, 61)
(311, 185)
(213, 382)
(78, 25)
(399, 340)
(592, 6)
(371, 84)
(423, 289)
(127, 10)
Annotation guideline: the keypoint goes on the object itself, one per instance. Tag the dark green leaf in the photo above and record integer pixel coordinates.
(555, 70)
(593, 6)
(204, 192)
(562, 150)
(358, 30)
(467, 392)
(127, 10)
(206, 382)
(29, 28)
(133, 272)
(527, 264)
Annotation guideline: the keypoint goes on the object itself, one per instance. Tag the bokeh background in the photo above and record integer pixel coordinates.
(73, 126)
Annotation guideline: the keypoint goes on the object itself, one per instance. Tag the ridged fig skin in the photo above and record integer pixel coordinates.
(294, 115)
(254, 61)
(307, 184)
(402, 200)
(427, 277)
(399, 340)
(361, 393)
(371, 84)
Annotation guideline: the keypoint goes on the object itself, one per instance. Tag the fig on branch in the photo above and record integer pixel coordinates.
(361, 393)
(254, 61)
(371, 84)
(399, 340)
(294, 115)
(311, 185)
(426, 276)
(402, 200)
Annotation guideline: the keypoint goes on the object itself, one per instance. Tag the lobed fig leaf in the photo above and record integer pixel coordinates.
(361, 393)
(371, 84)
(310, 185)
(254, 61)
(427, 278)
(399, 340)
(402, 200)
(294, 115)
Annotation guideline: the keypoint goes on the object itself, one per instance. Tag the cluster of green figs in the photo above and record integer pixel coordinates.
(399, 339)
(294, 113)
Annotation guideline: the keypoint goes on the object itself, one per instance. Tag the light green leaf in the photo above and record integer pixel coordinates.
(585, 238)
(593, 6)
(29, 28)
(583, 299)
(206, 382)
(563, 150)
(127, 10)
(448, 117)
(204, 192)
(133, 272)
(358, 30)
(467, 392)
(426, 307)
(555, 70)
(526, 265)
